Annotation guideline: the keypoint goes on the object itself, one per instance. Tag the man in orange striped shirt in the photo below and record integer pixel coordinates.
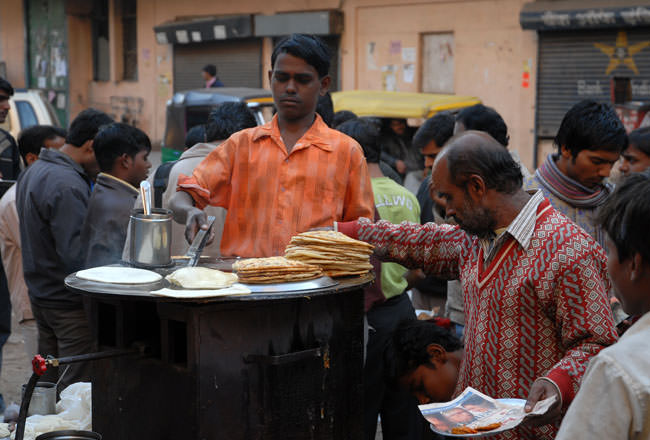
(287, 176)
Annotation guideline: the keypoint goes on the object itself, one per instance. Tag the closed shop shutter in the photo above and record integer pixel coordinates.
(576, 65)
(238, 63)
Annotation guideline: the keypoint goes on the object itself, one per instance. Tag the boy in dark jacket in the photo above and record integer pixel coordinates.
(123, 156)
(52, 199)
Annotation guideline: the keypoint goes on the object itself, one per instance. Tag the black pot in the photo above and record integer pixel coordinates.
(70, 435)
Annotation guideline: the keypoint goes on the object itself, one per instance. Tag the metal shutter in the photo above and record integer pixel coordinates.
(238, 63)
(572, 68)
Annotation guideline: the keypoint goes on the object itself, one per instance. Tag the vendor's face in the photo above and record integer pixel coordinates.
(296, 87)
(589, 168)
(631, 296)
(634, 160)
(458, 204)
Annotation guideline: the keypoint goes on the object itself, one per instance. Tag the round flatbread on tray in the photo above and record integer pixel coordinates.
(201, 278)
(119, 275)
(274, 270)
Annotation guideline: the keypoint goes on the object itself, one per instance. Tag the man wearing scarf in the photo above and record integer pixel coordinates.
(589, 141)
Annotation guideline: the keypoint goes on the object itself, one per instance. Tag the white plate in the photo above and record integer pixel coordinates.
(119, 275)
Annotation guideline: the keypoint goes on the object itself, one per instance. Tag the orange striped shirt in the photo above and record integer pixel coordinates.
(271, 195)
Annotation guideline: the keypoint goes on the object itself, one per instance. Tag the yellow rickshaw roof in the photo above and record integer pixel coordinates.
(399, 104)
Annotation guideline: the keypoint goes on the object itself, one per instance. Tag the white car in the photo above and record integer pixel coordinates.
(29, 107)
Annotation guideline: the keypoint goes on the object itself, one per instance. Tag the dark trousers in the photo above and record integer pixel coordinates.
(61, 333)
(400, 416)
(5, 320)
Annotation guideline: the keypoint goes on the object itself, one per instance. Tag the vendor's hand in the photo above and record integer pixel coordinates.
(543, 389)
(400, 166)
(196, 219)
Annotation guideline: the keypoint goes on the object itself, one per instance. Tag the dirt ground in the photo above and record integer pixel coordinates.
(16, 367)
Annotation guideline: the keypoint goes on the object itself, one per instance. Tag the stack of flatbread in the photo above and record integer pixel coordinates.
(336, 253)
(274, 270)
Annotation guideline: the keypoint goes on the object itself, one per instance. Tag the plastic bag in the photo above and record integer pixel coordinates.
(73, 411)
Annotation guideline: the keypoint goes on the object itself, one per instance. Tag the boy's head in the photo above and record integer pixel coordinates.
(228, 118)
(482, 118)
(32, 139)
(424, 358)
(636, 157)
(624, 217)
(81, 134)
(195, 135)
(299, 75)
(123, 151)
(366, 134)
(433, 135)
(6, 91)
(589, 141)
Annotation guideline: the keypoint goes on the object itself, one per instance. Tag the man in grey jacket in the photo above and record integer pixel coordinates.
(51, 199)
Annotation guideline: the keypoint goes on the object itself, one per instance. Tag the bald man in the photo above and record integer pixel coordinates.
(535, 284)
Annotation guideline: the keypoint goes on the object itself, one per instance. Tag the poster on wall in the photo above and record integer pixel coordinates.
(371, 63)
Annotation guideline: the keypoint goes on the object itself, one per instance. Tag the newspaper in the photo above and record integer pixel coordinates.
(480, 413)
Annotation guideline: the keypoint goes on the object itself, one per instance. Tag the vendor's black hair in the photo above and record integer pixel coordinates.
(6, 86)
(307, 47)
(624, 216)
(640, 139)
(85, 126)
(343, 116)
(117, 139)
(589, 125)
(227, 119)
(366, 134)
(210, 69)
(31, 139)
(439, 128)
(195, 135)
(480, 117)
(407, 348)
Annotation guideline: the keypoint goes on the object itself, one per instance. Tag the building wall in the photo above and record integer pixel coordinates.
(12, 40)
(491, 53)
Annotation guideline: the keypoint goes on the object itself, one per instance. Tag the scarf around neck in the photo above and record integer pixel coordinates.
(568, 189)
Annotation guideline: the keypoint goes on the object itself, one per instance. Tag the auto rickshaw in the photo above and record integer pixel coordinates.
(192, 107)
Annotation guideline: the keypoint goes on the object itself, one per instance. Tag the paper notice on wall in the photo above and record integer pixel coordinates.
(42, 82)
(196, 36)
(60, 68)
(161, 38)
(408, 73)
(389, 79)
(395, 47)
(60, 101)
(182, 37)
(371, 62)
(408, 55)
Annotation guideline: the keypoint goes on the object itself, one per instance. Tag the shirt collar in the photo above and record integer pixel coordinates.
(316, 135)
(118, 180)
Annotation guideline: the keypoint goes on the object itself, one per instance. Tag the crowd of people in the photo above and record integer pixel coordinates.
(541, 272)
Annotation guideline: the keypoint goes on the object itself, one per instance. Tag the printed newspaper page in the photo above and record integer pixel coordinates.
(473, 414)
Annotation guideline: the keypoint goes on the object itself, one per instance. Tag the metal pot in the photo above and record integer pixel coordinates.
(43, 400)
(70, 435)
(150, 238)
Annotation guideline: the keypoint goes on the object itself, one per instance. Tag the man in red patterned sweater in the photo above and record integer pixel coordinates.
(534, 284)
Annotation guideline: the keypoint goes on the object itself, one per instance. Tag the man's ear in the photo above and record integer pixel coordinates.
(30, 158)
(437, 354)
(565, 152)
(476, 186)
(637, 267)
(88, 146)
(270, 76)
(125, 160)
(325, 83)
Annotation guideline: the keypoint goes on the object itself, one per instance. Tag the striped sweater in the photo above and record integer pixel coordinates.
(540, 311)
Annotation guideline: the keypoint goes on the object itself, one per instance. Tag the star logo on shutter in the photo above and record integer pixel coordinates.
(622, 53)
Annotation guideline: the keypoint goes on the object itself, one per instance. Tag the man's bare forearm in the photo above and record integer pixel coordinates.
(181, 203)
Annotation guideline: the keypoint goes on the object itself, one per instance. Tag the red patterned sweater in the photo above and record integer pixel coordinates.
(536, 312)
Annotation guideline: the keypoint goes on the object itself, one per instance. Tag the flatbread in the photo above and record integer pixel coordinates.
(275, 270)
(329, 238)
(201, 278)
(119, 275)
(280, 263)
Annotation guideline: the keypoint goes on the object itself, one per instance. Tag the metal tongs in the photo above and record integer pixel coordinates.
(199, 242)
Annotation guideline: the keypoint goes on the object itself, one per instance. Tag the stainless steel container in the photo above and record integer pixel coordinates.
(43, 400)
(70, 435)
(150, 238)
